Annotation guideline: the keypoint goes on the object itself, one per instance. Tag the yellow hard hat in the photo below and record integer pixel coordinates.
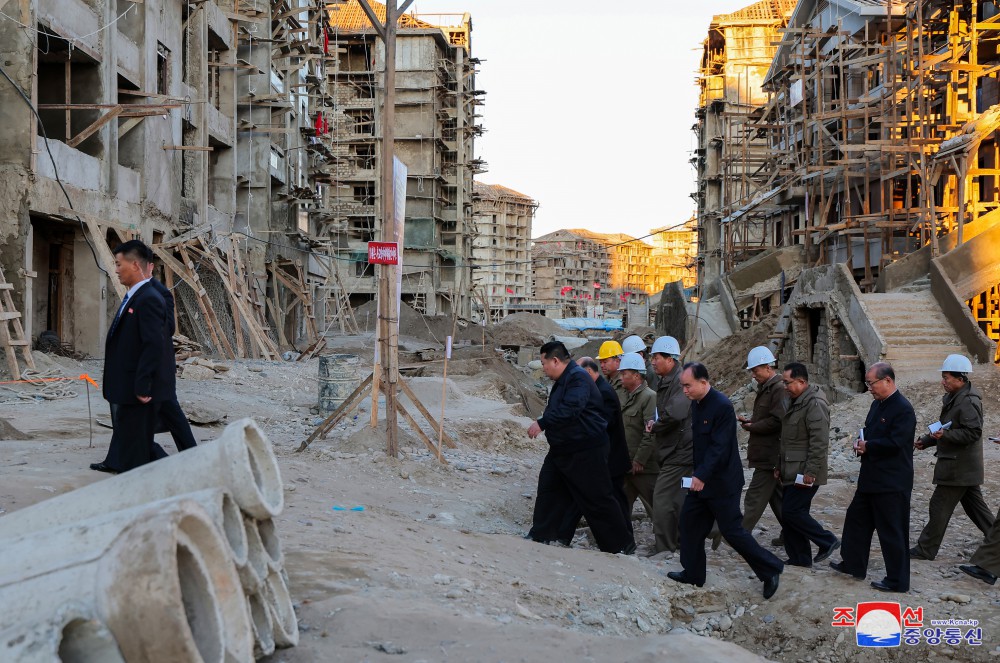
(610, 349)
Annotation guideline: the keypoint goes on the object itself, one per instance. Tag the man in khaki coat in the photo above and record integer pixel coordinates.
(639, 407)
(671, 428)
(764, 426)
(958, 473)
(986, 560)
(805, 446)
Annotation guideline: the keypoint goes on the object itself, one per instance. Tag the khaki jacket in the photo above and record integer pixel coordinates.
(805, 437)
(765, 427)
(960, 449)
(616, 384)
(672, 431)
(639, 408)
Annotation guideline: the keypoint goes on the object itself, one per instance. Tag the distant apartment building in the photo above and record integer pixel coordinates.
(435, 128)
(501, 251)
(675, 253)
(580, 269)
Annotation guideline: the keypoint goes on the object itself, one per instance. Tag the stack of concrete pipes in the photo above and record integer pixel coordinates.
(174, 561)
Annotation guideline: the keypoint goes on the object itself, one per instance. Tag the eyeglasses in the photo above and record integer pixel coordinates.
(875, 382)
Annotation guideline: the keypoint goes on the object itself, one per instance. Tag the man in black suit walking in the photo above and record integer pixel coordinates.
(716, 484)
(172, 418)
(882, 500)
(138, 363)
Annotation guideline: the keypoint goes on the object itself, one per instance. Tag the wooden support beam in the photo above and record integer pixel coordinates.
(94, 126)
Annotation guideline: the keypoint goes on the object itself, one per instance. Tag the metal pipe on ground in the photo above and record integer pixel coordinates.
(159, 576)
(69, 634)
(241, 461)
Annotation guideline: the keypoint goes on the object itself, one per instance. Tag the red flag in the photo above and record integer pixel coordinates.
(510, 291)
(326, 41)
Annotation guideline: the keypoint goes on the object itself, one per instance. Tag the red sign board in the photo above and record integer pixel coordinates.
(383, 253)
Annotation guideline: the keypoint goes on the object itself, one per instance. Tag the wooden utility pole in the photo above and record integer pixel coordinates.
(388, 312)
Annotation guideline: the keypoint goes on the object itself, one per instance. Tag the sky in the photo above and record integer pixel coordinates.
(589, 105)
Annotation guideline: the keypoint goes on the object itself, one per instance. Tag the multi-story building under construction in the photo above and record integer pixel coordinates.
(435, 127)
(875, 223)
(501, 251)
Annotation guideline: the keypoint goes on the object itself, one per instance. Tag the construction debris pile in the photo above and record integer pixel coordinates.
(177, 560)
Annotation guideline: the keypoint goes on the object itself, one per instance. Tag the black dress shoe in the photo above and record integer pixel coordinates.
(980, 573)
(839, 566)
(629, 549)
(883, 586)
(826, 552)
(101, 467)
(681, 576)
(917, 553)
(771, 585)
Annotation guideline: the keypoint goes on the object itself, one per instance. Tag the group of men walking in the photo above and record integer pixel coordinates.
(669, 440)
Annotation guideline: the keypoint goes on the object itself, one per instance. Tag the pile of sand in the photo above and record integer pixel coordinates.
(526, 329)
(430, 328)
(727, 361)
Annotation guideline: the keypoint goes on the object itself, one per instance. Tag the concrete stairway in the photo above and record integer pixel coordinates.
(918, 336)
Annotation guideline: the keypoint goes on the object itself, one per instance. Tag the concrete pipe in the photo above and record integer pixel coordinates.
(240, 462)
(279, 602)
(254, 572)
(272, 544)
(69, 634)
(159, 576)
(263, 628)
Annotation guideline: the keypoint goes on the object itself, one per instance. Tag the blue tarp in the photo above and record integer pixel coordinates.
(607, 324)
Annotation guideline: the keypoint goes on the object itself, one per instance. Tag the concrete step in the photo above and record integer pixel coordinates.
(918, 335)
(921, 342)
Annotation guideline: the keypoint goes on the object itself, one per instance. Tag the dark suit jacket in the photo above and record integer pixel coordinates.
(168, 299)
(572, 419)
(716, 451)
(887, 464)
(138, 360)
(619, 461)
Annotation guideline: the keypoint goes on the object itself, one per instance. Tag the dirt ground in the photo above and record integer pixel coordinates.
(434, 568)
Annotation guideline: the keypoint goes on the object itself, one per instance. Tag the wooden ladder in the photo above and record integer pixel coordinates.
(10, 340)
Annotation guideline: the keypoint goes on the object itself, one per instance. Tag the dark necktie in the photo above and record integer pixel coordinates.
(118, 317)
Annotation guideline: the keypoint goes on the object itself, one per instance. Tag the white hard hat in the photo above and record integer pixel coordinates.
(956, 364)
(634, 344)
(667, 345)
(631, 361)
(759, 356)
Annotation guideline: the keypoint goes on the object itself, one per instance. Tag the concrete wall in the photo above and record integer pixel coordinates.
(827, 327)
(959, 276)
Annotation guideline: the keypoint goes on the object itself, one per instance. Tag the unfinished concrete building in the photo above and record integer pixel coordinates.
(592, 274)
(162, 120)
(675, 254)
(730, 152)
(569, 269)
(501, 252)
(436, 124)
(881, 119)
